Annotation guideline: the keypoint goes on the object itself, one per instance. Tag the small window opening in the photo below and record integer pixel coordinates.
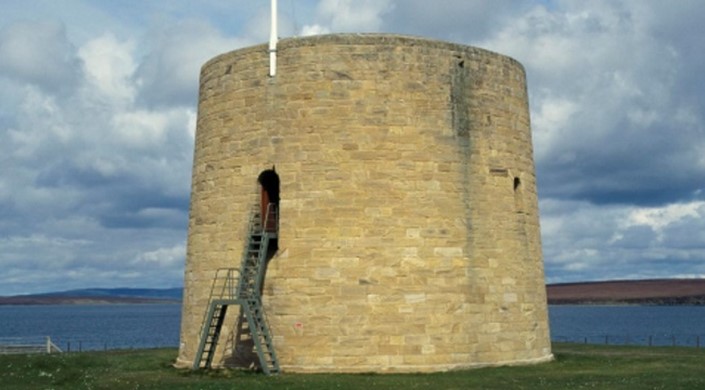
(518, 198)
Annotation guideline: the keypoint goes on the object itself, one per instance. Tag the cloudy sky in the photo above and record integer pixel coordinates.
(97, 116)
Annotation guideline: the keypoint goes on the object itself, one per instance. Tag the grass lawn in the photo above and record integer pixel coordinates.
(576, 367)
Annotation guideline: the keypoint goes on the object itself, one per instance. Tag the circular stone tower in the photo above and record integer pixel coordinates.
(408, 230)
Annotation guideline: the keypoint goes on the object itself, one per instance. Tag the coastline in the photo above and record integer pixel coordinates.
(42, 301)
(651, 292)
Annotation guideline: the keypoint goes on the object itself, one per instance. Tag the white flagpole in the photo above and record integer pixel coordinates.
(273, 42)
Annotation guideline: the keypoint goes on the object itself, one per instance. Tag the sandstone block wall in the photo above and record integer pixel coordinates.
(409, 233)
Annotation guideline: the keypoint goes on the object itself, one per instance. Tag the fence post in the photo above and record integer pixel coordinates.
(673, 339)
(650, 340)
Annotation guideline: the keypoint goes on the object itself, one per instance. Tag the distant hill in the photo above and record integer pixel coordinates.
(98, 296)
(643, 292)
(637, 292)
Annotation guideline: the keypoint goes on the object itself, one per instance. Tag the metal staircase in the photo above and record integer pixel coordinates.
(243, 288)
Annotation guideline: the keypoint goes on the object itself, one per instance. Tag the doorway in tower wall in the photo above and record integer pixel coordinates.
(269, 199)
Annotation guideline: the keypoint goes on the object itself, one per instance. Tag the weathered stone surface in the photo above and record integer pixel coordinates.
(409, 236)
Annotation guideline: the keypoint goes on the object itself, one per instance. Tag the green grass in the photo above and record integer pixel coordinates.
(575, 367)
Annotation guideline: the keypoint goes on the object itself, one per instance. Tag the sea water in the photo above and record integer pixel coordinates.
(97, 327)
(643, 325)
(94, 327)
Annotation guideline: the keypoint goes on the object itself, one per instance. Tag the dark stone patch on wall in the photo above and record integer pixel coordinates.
(459, 99)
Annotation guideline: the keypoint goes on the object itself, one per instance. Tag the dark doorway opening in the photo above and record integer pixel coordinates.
(269, 200)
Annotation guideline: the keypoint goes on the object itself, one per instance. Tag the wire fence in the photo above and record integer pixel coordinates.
(655, 340)
(27, 345)
(45, 344)
(80, 345)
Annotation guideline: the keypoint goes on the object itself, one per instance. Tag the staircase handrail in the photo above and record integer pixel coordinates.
(229, 280)
(272, 211)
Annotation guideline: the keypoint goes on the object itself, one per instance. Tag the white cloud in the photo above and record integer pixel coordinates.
(551, 118)
(14, 243)
(314, 30)
(354, 15)
(141, 128)
(168, 75)
(109, 66)
(658, 218)
(41, 124)
(92, 169)
(606, 90)
(582, 241)
(348, 16)
(192, 120)
(163, 257)
(38, 53)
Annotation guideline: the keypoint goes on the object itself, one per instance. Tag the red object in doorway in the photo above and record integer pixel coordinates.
(268, 212)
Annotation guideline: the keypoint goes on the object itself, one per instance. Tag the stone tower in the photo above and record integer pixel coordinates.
(409, 229)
